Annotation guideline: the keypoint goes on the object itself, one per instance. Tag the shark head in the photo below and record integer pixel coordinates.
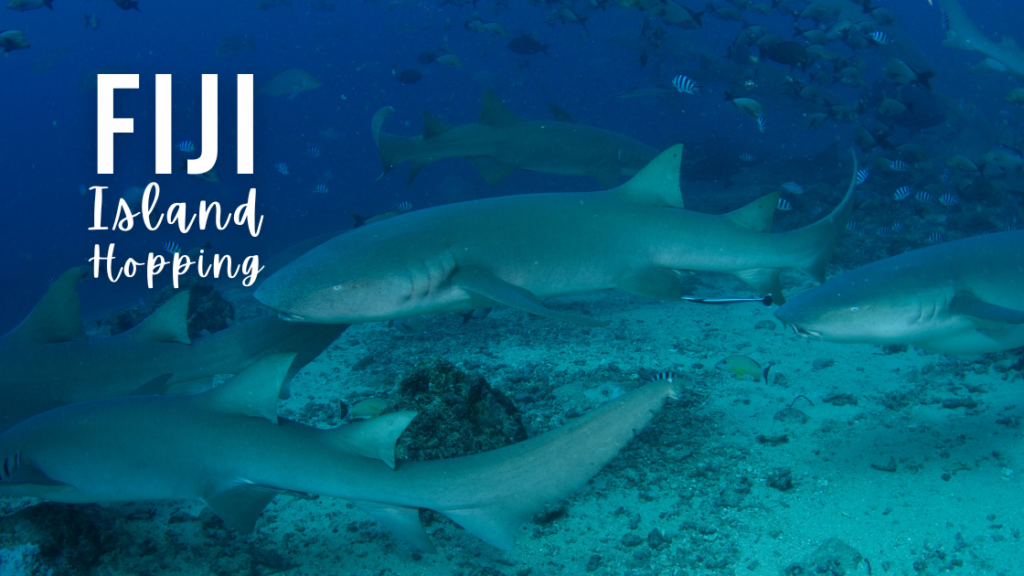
(865, 308)
(344, 281)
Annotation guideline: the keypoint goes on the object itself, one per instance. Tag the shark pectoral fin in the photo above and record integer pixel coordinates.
(660, 283)
(658, 182)
(765, 281)
(253, 391)
(432, 126)
(377, 122)
(403, 522)
(56, 318)
(969, 305)
(374, 438)
(759, 215)
(607, 173)
(484, 284)
(168, 323)
(496, 527)
(240, 505)
(495, 113)
(492, 169)
(155, 387)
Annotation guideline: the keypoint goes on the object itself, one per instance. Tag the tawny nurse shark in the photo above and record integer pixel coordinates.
(959, 297)
(47, 361)
(228, 448)
(514, 250)
(962, 34)
(501, 143)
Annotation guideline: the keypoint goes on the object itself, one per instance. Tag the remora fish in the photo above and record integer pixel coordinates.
(501, 143)
(959, 297)
(228, 449)
(46, 361)
(964, 35)
(513, 250)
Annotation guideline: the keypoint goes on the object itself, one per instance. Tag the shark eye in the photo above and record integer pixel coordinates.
(338, 287)
(854, 309)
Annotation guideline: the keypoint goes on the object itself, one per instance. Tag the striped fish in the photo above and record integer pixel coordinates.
(320, 189)
(783, 205)
(897, 226)
(935, 237)
(879, 37)
(662, 376)
(313, 152)
(186, 146)
(403, 206)
(862, 175)
(945, 178)
(761, 123)
(948, 200)
(852, 226)
(172, 247)
(923, 196)
(747, 157)
(945, 20)
(899, 166)
(686, 85)
(902, 192)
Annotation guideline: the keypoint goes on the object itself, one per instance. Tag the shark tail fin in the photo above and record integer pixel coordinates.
(818, 240)
(168, 323)
(521, 479)
(56, 318)
(393, 149)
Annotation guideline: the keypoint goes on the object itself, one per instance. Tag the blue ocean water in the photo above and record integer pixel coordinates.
(355, 51)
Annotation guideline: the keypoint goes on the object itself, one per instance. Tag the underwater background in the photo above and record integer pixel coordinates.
(885, 461)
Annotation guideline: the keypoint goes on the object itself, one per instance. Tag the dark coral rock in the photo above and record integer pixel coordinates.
(208, 311)
(459, 413)
(71, 539)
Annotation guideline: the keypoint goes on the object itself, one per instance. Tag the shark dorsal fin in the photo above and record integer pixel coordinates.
(495, 113)
(56, 318)
(374, 438)
(658, 182)
(759, 215)
(432, 126)
(168, 323)
(253, 391)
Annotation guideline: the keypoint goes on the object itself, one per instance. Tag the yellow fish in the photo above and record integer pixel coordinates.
(369, 408)
(743, 366)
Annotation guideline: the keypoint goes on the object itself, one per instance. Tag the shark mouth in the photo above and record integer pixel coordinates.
(290, 317)
(805, 333)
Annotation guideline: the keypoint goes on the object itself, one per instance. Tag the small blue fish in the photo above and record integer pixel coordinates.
(945, 20)
(897, 227)
(816, 209)
(883, 231)
(793, 188)
(862, 175)
(783, 205)
(313, 152)
(282, 168)
(923, 196)
(879, 37)
(761, 123)
(852, 226)
(948, 200)
(328, 175)
(902, 192)
(186, 146)
(899, 166)
(747, 157)
(935, 237)
(320, 189)
(686, 85)
(945, 178)
(403, 206)
(172, 247)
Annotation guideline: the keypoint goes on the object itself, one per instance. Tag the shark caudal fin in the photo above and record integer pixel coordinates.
(499, 490)
(56, 318)
(394, 149)
(807, 249)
